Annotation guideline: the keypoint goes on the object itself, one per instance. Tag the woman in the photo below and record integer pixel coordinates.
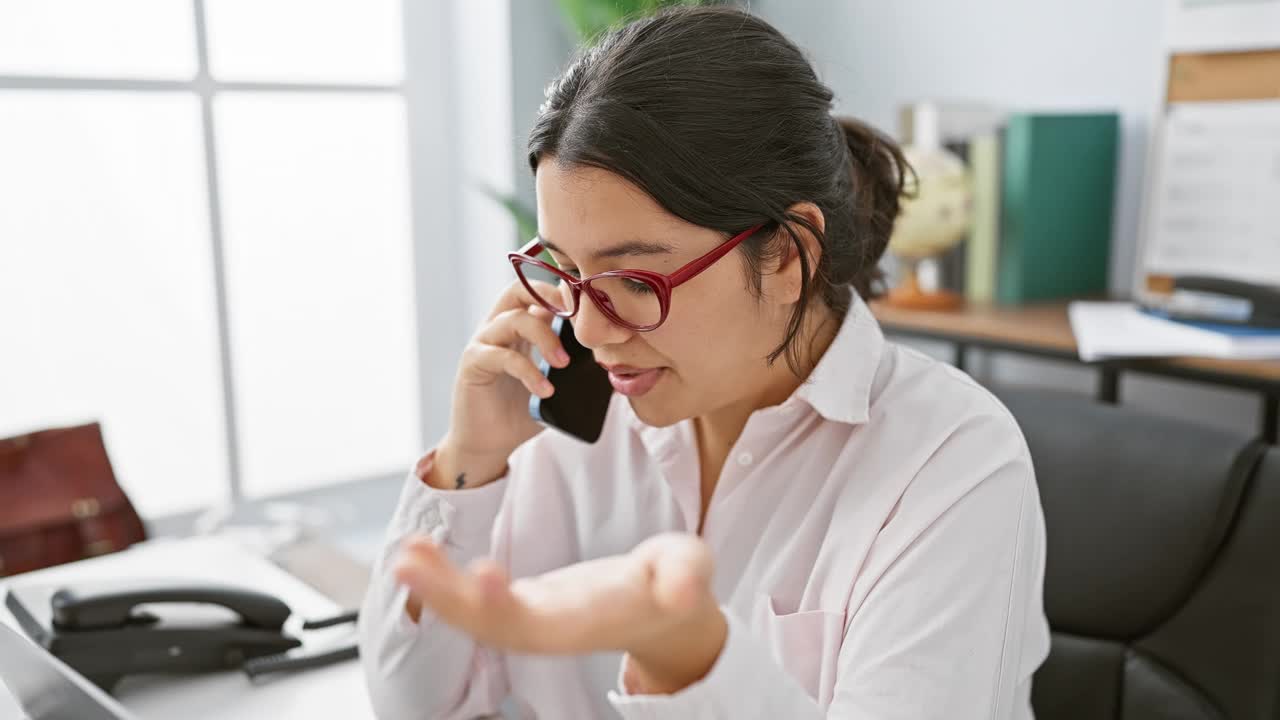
(786, 516)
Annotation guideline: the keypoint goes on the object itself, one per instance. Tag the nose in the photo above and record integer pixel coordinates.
(594, 329)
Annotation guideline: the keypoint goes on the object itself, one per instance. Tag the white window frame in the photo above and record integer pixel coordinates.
(456, 232)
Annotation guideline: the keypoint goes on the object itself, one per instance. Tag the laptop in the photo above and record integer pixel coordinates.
(46, 689)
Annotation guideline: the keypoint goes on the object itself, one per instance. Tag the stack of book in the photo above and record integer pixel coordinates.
(1115, 329)
(1043, 191)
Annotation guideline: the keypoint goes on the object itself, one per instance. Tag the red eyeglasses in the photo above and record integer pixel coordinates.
(635, 299)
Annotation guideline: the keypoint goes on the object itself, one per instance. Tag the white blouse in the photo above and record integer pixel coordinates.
(878, 545)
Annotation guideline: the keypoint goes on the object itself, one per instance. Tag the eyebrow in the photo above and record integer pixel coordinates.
(628, 248)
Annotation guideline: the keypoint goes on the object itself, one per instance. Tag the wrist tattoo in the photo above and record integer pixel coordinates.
(462, 480)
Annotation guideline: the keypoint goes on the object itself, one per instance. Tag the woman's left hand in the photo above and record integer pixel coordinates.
(654, 603)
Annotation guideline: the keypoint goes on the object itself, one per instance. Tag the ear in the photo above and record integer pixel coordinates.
(781, 281)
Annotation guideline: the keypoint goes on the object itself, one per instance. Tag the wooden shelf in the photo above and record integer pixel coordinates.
(1044, 329)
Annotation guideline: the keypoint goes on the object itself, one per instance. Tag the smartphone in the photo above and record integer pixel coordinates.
(581, 400)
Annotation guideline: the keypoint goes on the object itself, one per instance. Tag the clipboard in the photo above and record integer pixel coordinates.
(1215, 154)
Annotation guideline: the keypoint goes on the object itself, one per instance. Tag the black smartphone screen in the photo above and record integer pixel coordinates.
(581, 399)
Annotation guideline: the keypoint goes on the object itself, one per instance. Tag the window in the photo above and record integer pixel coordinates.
(152, 39)
(319, 274)
(206, 242)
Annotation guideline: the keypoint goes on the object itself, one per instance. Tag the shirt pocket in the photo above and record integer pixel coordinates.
(805, 643)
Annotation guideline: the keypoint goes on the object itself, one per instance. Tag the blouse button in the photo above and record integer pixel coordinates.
(745, 459)
(431, 516)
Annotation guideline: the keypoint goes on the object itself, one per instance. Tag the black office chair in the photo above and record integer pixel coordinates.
(1162, 583)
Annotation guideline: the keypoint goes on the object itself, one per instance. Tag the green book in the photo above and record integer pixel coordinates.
(1055, 219)
(983, 244)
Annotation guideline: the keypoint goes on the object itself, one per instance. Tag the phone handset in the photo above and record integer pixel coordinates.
(76, 610)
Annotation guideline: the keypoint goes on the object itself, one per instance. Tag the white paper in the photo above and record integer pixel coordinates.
(1216, 193)
(1107, 330)
(1221, 25)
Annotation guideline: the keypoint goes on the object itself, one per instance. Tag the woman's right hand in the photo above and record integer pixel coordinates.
(490, 414)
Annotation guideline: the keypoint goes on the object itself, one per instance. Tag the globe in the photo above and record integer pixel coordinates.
(935, 216)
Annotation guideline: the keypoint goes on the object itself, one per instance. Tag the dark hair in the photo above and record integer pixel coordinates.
(721, 119)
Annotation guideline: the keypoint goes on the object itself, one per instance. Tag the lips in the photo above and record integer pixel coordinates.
(633, 381)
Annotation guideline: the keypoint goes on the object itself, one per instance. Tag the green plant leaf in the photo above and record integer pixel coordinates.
(526, 219)
(591, 18)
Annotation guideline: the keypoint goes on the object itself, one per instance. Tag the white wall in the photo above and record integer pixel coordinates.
(879, 54)
(538, 52)
(458, 87)
(1062, 54)
(1058, 54)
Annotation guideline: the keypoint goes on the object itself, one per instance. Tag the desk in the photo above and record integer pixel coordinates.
(1043, 330)
(336, 691)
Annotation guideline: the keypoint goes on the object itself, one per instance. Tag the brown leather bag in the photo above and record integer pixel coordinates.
(59, 500)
